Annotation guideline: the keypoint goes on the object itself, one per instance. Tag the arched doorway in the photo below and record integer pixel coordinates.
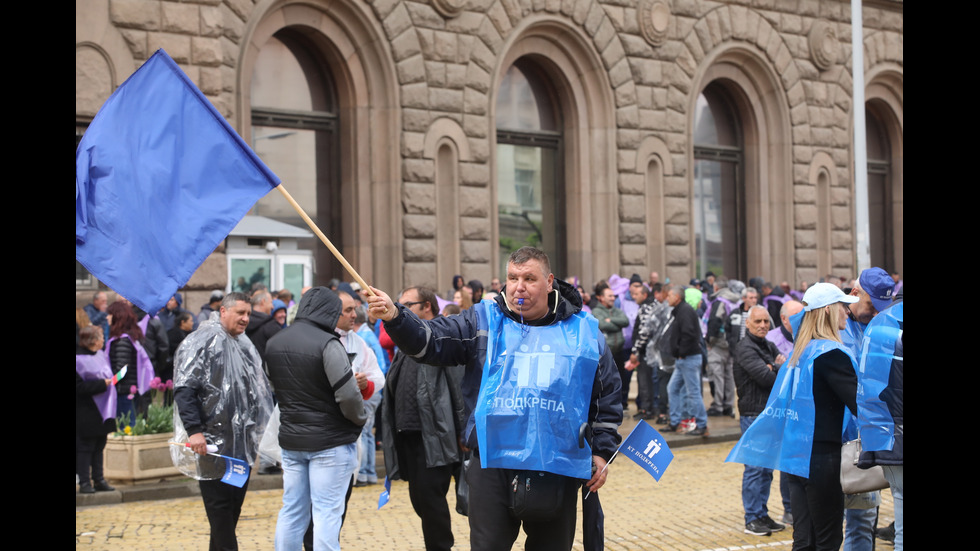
(719, 188)
(295, 131)
(569, 143)
(351, 119)
(741, 171)
(884, 185)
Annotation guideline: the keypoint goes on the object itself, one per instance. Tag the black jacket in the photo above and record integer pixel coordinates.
(439, 415)
(834, 388)
(155, 341)
(123, 353)
(753, 377)
(685, 335)
(261, 328)
(319, 402)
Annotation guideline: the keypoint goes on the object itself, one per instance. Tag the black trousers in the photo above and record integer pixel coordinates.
(625, 376)
(494, 528)
(88, 458)
(223, 505)
(427, 489)
(818, 502)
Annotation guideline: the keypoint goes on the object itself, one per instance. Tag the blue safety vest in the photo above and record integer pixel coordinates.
(781, 438)
(535, 394)
(852, 335)
(877, 352)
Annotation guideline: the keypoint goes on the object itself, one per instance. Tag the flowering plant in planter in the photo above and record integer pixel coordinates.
(159, 415)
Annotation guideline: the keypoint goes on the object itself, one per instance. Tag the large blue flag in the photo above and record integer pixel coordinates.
(648, 449)
(160, 180)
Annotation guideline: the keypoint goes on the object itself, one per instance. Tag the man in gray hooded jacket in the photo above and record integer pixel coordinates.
(722, 302)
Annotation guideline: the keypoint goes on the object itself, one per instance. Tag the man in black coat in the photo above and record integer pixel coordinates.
(684, 388)
(261, 325)
(423, 422)
(756, 363)
(533, 309)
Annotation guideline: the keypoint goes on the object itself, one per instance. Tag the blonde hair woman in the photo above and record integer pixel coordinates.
(799, 432)
(462, 298)
(817, 500)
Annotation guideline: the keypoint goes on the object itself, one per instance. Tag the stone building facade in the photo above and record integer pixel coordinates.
(622, 135)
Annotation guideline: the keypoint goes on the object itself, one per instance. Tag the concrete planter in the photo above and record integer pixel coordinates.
(134, 459)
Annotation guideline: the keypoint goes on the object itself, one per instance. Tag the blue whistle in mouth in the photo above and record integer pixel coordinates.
(524, 329)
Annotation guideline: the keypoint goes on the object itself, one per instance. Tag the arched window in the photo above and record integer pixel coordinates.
(719, 191)
(530, 198)
(884, 136)
(447, 211)
(295, 131)
(825, 226)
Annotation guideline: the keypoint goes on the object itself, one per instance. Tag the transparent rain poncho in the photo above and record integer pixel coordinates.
(235, 397)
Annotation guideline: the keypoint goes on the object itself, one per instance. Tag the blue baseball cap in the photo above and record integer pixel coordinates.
(877, 283)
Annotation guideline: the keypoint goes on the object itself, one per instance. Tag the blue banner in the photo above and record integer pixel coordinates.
(648, 449)
(160, 180)
(236, 471)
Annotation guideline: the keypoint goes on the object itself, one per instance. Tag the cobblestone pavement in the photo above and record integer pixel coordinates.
(696, 506)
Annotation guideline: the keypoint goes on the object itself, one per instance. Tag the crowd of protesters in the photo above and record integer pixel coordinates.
(671, 336)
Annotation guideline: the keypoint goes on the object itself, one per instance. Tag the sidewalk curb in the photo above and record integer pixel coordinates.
(186, 487)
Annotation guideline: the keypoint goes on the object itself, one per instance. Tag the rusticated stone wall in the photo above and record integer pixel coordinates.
(642, 65)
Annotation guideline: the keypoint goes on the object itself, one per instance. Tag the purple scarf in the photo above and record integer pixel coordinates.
(96, 366)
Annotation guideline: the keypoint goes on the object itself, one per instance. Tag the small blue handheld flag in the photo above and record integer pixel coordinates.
(236, 471)
(648, 449)
(385, 494)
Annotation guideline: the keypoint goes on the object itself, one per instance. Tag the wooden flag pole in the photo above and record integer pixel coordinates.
(350, 269)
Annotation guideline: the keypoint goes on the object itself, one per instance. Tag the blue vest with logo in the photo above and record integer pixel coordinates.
(535, 394)
(877, 352)
(781, 438)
